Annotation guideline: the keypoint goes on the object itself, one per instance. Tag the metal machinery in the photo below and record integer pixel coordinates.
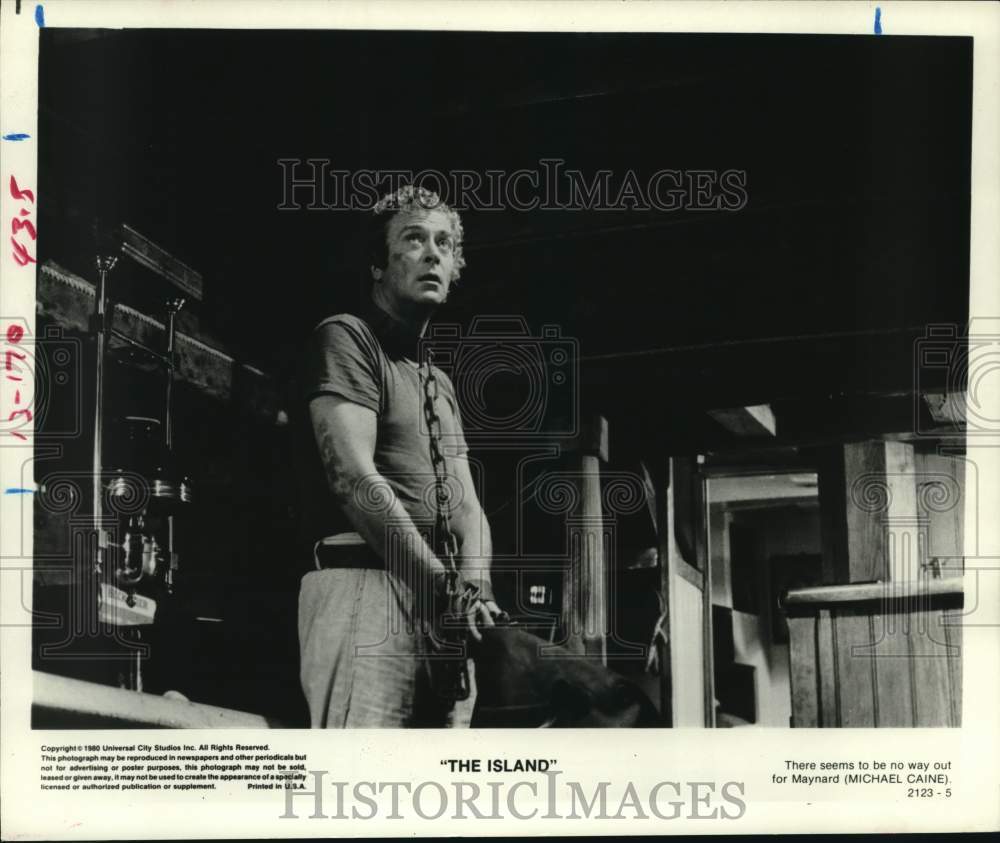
(138, 490)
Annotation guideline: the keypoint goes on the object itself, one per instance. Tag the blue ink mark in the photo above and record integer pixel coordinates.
(39, 15)
(17, 491)
(878, 20)
(16, 136)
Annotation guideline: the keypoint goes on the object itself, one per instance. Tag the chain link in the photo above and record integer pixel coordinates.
(454, 677)
(443, 532)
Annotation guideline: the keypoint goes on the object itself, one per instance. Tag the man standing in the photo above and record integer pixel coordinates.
(370, 629)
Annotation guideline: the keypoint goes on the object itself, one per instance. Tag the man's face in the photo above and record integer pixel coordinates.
(421, 258)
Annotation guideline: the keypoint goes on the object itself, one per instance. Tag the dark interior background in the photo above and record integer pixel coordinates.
(856, 151)
(855, 237)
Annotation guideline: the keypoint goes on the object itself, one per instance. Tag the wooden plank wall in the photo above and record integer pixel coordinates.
(880, 645)
(892, 661)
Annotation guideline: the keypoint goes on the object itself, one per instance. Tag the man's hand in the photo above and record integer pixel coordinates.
(482, 613)
(468, 611)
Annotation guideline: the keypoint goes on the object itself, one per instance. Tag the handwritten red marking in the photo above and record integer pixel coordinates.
(15, 333)
(21, 254)
(17, 193)
(16, 225)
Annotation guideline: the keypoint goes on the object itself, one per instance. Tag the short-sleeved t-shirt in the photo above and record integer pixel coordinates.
(371, 360)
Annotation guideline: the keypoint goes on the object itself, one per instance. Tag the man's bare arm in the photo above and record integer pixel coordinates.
(345, 433)
(472, 530)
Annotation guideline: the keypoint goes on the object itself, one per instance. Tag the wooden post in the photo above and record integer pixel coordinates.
(863, 486)
(584, 603)
(664, 526)
(876, 654)
(941, 495)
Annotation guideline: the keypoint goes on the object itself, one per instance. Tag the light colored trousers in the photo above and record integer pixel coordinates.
(363, 655)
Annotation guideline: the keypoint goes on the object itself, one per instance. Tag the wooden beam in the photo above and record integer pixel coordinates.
(65, 700)
(757, 420)
(146, 253)
(875, 592)
(785, 487)
(68, 300)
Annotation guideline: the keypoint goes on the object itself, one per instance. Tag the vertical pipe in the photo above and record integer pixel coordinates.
(173, 307)
(104, 266)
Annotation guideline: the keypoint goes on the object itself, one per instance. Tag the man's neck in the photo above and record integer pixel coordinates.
(412, 320)
(399, 336)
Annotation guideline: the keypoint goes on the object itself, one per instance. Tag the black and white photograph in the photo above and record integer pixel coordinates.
(426, 377)
(620, 365)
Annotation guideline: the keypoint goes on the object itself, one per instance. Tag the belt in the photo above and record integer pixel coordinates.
(334, 554)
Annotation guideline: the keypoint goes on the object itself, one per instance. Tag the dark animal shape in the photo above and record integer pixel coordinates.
(519, 687)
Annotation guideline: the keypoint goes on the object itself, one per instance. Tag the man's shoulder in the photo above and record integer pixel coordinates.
(346, 328)
(348, 320)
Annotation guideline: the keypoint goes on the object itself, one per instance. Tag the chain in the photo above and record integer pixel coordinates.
(454, 682)
(443, 532)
